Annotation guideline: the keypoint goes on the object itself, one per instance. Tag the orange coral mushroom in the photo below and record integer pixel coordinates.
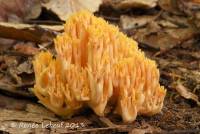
(97, 66)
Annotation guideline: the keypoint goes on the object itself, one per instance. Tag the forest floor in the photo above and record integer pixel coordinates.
(168, 33)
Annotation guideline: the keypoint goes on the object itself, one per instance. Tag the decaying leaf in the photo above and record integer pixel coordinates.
(145, 128)
(180, 21)
(25, 67)
(169, 6)
(163, 38)
(19, 10)
(26, 48)
(16, 75)
(124, 4)
(23, 116)
(191, 9)
(38, 34)
(38, 109)
(132, 22)
(167, 24)
(188, 7)
(64, 8)
(5, 44)
(183, 91)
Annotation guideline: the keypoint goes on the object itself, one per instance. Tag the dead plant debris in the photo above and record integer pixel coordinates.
(167, 30)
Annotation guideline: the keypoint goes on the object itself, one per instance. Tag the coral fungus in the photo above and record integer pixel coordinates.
(97, 66)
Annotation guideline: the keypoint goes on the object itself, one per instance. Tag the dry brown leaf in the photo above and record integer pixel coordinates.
(124, 4)
(130, 22)
(25, 67)
(8, 102)
(163, 38)
(5, 44)
(26, 49)
(169, 6)
(16, 75)
(19, 10)
(14, 112)
(23, 116)
(38, 34)
(181, 34)
(191, 9)
(180, 21)
(150, 37)
(183, 91)
(38, 109)
(63, 8)
(167, 24)
(145, 128)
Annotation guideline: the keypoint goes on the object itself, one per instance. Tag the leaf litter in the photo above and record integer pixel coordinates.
(166, 30)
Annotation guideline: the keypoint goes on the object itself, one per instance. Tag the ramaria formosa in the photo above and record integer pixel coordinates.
(99, 67)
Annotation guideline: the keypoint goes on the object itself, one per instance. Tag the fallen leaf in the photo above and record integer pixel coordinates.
(188, 6)
(25, 67)
(145, 128)
(7, 86)
(15, 112)
(64, 8)
(5, 44)
(19, 10)
(13, 73)
(16, 75)
(181, 34)
(167, 24)
(26, 48)
(163, 38)
(178, 20)
(124, 4)
(183, 91)
(23, 116)
(38, 34)
(169, 6)
(191, 9)
(131, 22)
(153, 36)
(38, 109)
(12, 103)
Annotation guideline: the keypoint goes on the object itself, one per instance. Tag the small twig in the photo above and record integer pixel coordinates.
(107, 122)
